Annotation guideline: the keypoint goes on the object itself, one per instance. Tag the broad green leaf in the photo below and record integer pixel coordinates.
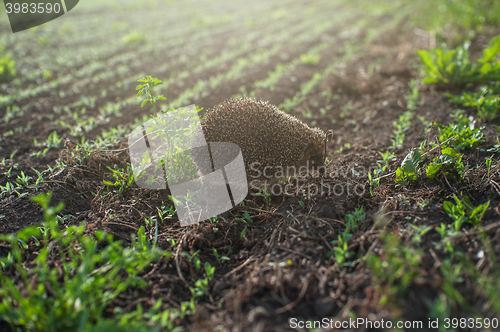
(432, 170)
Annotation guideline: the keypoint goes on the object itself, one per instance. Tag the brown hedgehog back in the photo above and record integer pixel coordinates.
(266, 136)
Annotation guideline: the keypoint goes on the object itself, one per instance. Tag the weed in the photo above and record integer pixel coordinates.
(486, 101)
(448, 161)
(464, 211)
(408, 171)
(454, 67)
(147, 88)
(464, 131)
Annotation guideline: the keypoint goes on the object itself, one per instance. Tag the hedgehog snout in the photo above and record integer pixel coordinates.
(316, 163)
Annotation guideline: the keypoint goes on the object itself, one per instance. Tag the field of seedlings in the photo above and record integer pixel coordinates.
(400, 233)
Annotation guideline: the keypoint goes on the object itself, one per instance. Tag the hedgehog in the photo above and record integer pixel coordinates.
(274, 145)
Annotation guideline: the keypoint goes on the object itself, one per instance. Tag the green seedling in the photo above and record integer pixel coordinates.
(122, 179)
(165, 212)
(464, 211)
(464, 131)
(23, 179)
(53, 141)
(201, 286)
(247, 218)
(401, 127)
(9, 172)
(414, 95)
(382, 164)
(420, 231)
(341, 250)
(147, 88)
(244, 232)
(427, 124)
(354, 219)
(151, 222)
(172, 243)
(486, 101)
(219, 259)
(488, 165)
(193, 258)
(423, 204)
(448, 162)
(266, 195)
(409, 171)
(9, 188)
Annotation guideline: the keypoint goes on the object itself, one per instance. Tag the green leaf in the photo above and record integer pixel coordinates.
(432, 169)
(427, 60)
(491, 52)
